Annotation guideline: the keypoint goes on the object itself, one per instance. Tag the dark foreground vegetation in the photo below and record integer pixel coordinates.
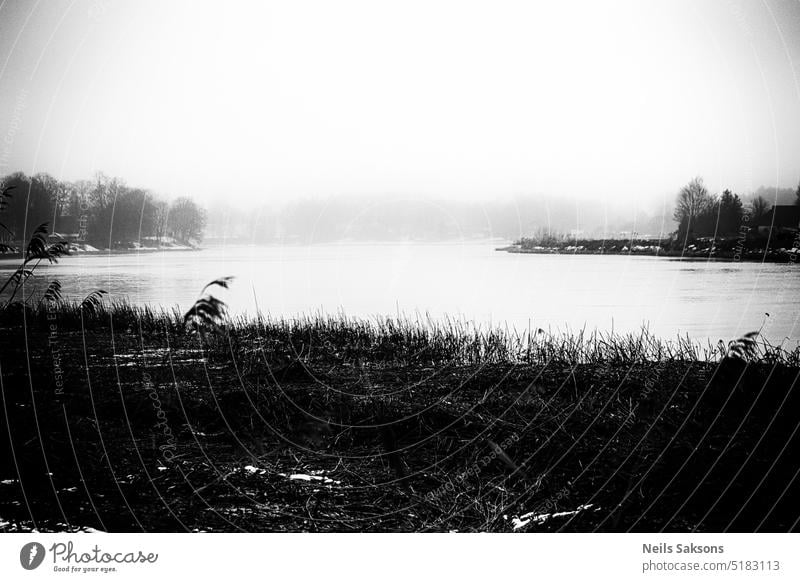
(123, 419)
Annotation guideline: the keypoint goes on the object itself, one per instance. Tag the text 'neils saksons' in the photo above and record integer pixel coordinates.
(663, 548)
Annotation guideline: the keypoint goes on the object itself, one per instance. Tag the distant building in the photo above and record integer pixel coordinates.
(781, 219)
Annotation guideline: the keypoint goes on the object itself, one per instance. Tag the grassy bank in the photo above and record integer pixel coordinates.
(121, 419)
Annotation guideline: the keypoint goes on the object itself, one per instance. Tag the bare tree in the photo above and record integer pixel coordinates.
(693, 200)
(693, 203)
(186, 220)
(160, 220)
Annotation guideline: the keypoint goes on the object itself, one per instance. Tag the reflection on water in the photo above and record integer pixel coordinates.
(469, 281)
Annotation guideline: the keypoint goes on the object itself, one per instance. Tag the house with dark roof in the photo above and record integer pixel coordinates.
(780, 219)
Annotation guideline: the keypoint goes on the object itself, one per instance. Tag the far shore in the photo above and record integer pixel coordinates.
(104, 252)
(781, 255)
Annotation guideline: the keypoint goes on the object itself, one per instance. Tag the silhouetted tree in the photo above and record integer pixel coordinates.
(17, 185)
(101, 199)
(34, 202)
(104, 211)
(758, 208)
(694, 203)
(133, 215)
(730, 213)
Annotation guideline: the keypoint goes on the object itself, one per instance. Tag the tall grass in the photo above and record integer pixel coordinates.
(398, 341)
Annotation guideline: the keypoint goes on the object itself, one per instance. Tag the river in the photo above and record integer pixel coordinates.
(470, 281)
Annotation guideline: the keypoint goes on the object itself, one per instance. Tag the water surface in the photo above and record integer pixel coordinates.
(469, 281)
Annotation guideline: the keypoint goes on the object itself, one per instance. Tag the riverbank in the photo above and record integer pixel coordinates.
(88, 250)
(779, 255)
(123, 420)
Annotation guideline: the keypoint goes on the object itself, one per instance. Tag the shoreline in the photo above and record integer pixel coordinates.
(776, 256)
(107, 252)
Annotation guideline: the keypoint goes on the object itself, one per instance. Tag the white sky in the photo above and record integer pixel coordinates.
(245, 101)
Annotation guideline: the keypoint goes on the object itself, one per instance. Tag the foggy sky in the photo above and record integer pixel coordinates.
(245, 102)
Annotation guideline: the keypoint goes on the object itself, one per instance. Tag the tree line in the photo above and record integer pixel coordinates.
(103, 212)
(702, 214)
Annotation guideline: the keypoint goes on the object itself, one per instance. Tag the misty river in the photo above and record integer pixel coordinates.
(468, 281)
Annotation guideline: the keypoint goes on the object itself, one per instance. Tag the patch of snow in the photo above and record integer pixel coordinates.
(522, 521)
(294, 476)
(77, 529)
(304, 477)
(83, 248)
